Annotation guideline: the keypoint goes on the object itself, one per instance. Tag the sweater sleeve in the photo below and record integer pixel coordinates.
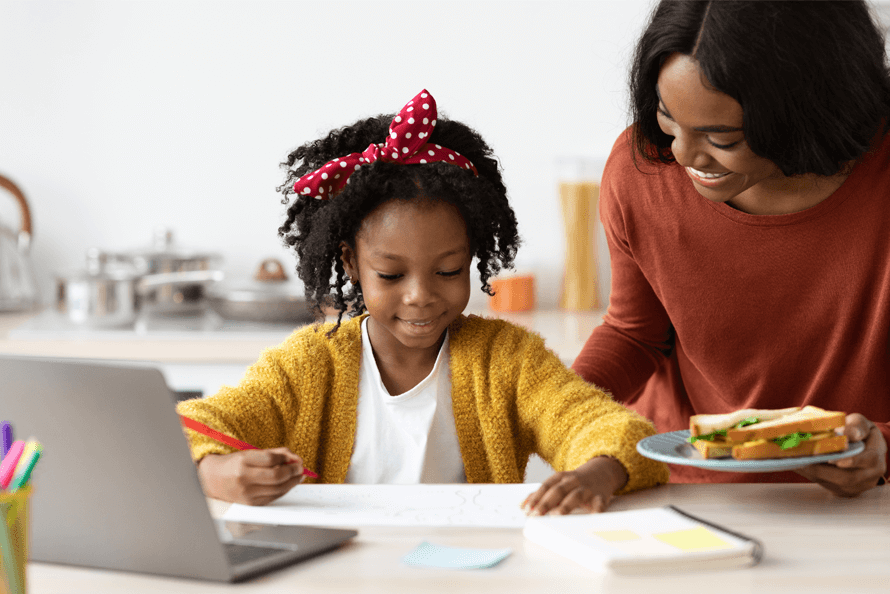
(636, 333)
(572, 421)
(257, 410)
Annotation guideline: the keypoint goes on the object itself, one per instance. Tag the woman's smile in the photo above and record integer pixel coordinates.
(711, 180)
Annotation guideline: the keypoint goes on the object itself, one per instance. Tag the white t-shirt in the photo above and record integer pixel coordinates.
(409, 438)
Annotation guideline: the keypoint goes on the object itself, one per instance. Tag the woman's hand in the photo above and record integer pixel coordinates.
(253, 477)
(849, 477)
(589, 488)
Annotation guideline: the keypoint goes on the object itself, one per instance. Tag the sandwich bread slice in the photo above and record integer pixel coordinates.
(751, 434)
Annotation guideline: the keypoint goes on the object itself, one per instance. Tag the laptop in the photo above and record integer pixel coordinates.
(116, 487)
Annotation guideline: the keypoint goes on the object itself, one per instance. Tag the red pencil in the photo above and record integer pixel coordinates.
(227, 439)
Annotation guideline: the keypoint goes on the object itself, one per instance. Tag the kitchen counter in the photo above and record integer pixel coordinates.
(564, 332)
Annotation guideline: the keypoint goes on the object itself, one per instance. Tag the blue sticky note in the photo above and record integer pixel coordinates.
(430, 555)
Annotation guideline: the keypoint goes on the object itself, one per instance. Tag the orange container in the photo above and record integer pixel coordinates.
(513, 293)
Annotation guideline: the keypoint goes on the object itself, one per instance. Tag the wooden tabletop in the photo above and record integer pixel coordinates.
(814, 542)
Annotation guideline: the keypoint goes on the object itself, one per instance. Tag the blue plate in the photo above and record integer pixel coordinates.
(674, 449)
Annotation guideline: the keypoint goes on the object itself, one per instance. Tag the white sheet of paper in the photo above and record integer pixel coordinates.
(482, 505)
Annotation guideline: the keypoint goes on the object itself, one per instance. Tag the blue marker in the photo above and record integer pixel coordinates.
(6, 430)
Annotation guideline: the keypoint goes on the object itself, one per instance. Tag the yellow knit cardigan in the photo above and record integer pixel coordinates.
(511, 397)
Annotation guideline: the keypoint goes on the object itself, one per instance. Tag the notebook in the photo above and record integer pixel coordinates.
(643, 541)
(116, 487)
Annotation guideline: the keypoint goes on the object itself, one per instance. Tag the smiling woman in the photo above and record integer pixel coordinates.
(709, 141)
(746, 212)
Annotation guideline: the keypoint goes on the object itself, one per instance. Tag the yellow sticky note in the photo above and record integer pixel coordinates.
(694, 539)
(617, 535)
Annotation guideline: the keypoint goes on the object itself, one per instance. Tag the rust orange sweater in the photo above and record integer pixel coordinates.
(714, 310)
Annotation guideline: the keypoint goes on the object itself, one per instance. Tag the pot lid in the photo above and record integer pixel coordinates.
(100, 267)
(269, 284)
(163, 248)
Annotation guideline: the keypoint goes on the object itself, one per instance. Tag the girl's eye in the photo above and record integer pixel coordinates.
(452, 272)
(389, 277)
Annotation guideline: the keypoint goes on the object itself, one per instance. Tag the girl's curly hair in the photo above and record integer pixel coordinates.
(314, 229)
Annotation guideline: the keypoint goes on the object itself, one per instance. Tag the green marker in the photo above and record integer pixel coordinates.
(21, 478)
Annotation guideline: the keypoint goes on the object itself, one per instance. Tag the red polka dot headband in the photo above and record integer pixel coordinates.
(405, 144)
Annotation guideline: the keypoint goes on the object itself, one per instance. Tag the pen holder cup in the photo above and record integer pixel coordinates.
(14, 510)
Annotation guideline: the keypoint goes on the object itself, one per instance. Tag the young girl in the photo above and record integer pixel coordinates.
(748, 218)
(386, 217)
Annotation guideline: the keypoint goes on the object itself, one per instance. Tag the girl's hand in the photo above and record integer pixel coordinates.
(253, 477)
(589, 488)
(849, 477)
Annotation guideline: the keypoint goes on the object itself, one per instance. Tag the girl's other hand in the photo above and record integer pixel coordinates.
(252, 477)
(848, 477)
(588, 488)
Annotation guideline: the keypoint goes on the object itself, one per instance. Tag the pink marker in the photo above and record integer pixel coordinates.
(7, 467)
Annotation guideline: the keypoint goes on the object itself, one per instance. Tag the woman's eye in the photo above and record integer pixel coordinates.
(723, 146)
(389, 277)
(452, 272)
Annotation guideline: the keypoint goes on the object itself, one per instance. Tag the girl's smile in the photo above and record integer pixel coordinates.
(412, 261)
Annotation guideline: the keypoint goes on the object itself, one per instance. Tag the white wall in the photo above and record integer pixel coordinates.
(117, 117)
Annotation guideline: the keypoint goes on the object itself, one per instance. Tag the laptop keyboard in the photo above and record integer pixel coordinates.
(238, 554)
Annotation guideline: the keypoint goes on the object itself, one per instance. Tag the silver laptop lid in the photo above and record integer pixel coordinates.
(115, 487)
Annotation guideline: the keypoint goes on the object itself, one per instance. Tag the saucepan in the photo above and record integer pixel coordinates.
(164, 288)
(109, 295)
(116, 287)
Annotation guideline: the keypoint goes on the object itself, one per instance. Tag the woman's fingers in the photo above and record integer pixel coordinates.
(851, 476)
(857, 427)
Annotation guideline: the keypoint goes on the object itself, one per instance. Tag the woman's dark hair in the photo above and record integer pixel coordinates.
(811, 77)
(314, 228)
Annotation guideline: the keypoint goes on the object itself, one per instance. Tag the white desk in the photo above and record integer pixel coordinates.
(814, 542)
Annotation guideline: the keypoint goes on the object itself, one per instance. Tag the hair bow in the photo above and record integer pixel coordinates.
(406, 144)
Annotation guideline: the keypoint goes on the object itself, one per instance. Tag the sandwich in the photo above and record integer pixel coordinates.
(752, 434)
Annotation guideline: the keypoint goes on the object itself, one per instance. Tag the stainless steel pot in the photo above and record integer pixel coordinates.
(169, 294)
(270, 297)
(18, 287)
(111, 294)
